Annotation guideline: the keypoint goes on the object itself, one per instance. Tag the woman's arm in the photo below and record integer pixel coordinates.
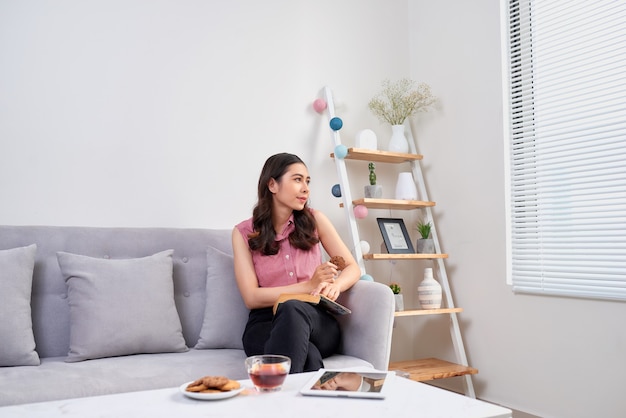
(334, 246)
(255, 296)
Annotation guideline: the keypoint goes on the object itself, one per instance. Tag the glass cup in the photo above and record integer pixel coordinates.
(268, 371)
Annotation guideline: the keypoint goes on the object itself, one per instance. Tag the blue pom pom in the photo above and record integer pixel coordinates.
(367, 278)
(336, 123)
(341, 151)
(337, 190)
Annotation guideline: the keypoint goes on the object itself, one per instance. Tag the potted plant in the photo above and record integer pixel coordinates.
(425, 244)
(373, 190)
(396, 102)
(396, 289)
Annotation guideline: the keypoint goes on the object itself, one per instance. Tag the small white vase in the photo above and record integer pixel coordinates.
(405, 187)
(398, 142)
(429, 291)
(399, 302)
(366, 139)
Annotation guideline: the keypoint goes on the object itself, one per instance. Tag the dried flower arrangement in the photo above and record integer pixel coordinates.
(397, 101)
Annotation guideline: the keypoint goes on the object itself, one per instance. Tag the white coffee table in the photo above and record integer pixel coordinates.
(407, 399)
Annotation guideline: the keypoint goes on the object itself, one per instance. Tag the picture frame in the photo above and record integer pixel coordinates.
(395, 236)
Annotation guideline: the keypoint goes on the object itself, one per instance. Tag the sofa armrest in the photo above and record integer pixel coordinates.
(367, 331)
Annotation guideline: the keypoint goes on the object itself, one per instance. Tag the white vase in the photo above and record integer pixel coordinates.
(405, 187)
(399, 302)
(366, 139)
(398, 142)
(429, 291)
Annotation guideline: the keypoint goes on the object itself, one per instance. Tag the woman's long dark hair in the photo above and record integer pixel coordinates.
(263, 238)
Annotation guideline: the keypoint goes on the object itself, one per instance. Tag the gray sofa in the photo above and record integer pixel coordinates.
(126, 309)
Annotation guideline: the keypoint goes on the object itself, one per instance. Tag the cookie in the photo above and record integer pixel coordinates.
(214, 382)
(196, 388)
(211, 391)
(338, 261)
(195, 383)
(231, 385)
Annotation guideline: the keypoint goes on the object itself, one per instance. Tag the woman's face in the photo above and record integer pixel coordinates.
(292, 189)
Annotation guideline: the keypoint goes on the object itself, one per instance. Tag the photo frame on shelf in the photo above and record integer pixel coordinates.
(395, 236)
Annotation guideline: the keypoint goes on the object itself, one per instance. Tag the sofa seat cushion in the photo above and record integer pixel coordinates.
(17, 343)
(121, 306)
(56, 379)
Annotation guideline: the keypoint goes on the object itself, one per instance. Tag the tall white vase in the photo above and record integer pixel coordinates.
(398, 142)
(429, 291)
(405, 187)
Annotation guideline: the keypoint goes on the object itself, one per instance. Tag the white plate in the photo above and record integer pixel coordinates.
(209, 396)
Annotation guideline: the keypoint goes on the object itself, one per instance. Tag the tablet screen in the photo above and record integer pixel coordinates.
(347, 384)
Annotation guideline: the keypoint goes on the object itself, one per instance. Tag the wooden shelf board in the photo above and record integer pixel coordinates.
(392, 203)
(431, 368)
(403, 256)
(413, 312)
(362, 154)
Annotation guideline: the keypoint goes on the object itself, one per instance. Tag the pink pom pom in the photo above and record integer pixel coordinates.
(319, 105)
(360, 211)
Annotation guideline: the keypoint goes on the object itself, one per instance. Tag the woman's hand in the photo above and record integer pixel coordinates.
(324, 281)
(324, 273)
(329, 289)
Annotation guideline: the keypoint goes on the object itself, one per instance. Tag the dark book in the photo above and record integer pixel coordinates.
(323, 301)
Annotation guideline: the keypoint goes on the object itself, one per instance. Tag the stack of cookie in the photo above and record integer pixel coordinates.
(212, 384)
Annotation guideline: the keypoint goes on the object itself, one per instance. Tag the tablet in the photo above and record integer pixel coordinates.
(373, 384)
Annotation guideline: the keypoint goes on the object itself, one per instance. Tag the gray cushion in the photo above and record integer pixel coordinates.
(17, 346)
(220, 330)
(121, 306)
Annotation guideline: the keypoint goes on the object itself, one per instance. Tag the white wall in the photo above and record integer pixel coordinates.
(161, 113)
(551, 356)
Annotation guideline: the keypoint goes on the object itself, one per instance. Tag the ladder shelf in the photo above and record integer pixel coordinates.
(403, 256)
(420, 369)
(392, 203)
(414, 312)
(379, 156)
(431, 368)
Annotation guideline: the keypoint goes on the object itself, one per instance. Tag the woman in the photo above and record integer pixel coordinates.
(277, 251)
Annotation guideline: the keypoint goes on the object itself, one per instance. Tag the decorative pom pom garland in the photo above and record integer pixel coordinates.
(336, 123)
(319, 105)
(341, 151)
(360, 211)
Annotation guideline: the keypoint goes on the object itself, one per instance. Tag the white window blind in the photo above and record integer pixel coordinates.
(567, 147)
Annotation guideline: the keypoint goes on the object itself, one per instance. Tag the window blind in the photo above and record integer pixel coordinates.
(567, 147)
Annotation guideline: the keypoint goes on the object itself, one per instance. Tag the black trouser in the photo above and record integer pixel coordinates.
(299, 330)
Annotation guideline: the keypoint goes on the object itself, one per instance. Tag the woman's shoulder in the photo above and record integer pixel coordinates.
(245, 227)
(318, 215)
